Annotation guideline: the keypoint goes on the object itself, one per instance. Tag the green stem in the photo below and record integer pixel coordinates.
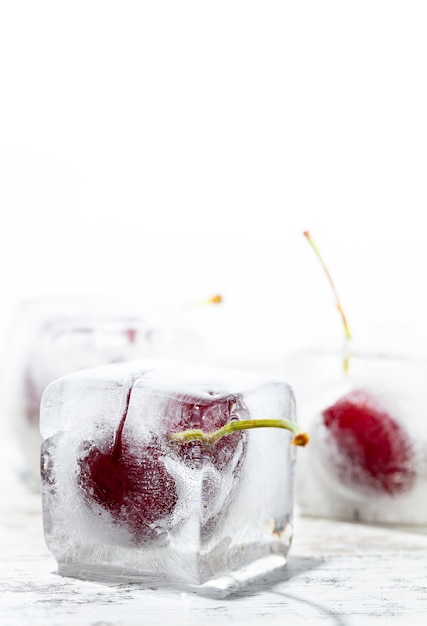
(331, 282)
(300, 438)
(346, 363)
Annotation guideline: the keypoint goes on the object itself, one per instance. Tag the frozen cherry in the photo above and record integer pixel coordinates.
(131, 334)
(185, 413)
(131, 482)
(374, 451)
(221, 461)
(134, 486)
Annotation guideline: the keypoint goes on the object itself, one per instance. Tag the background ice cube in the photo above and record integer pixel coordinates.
(53, 337)
(391, 368)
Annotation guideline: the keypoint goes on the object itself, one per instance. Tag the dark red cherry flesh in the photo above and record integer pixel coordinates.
(133, 485)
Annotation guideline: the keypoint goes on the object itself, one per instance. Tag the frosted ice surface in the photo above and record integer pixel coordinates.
(121, 499)
(367, 458)
(54, 337)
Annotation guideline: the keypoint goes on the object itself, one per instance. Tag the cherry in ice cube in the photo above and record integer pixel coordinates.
(132, 482)
(373, 450)
(150, 472)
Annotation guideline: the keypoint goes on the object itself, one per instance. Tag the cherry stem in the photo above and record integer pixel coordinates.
(216, 299)
(331, 282)
(337, 300)
(300, 439)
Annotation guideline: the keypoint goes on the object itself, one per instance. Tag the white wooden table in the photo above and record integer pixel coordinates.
(338, 573)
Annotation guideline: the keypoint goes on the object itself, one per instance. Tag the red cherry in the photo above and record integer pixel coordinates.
(374, 451)
(185, 413)
(224, 457)
(132, 483)
(131, 334)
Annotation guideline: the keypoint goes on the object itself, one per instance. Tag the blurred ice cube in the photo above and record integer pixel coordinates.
(54, 337)
(122, 500)
(367, 459)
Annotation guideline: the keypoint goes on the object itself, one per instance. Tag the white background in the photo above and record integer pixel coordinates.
(179, 149)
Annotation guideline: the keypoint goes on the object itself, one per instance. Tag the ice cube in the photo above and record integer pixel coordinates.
(54, 337)
(367, 459)
(123, 500)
